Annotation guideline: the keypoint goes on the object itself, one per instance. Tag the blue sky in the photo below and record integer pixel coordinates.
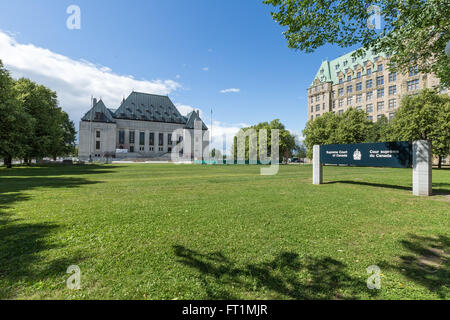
(191, 50)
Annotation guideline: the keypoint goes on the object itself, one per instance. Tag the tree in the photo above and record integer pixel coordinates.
(425, 116)
(300, 151)
(15, 123)
(63, 136)
(414, 32)
(52, 134)
(350, 127)
(380, 131)
(286, 139)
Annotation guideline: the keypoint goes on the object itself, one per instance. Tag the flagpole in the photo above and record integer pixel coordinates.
(211, 139)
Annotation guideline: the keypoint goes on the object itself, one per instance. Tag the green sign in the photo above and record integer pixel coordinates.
(381, 154)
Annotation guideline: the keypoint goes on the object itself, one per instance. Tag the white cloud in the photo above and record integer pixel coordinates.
(205, 69)
(74, 80)
(185, 109)
(233, 90)
(220, 130)
(178, 76)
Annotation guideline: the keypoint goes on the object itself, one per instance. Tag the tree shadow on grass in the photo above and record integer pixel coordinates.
(287, 276)
(427, 263)
(442, 187)
(56, 170)
(22, 243)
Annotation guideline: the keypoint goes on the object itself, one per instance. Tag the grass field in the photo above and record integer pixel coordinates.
(221, 232)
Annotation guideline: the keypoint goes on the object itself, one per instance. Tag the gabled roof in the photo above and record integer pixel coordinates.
(106, 114)
(328, 71)
(191, 118)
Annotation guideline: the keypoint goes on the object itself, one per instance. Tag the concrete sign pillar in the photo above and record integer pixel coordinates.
(317, 166)
(422, 165)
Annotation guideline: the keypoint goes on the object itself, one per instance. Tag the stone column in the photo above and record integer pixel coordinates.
(317, 166)
(422, 168)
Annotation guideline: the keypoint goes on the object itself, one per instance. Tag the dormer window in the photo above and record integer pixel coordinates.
(98, 116)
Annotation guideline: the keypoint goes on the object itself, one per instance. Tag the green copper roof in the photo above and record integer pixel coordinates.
(329, 70)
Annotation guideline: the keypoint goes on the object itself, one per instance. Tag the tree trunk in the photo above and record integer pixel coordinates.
(54, 158)
(8, 161)
(440, 162)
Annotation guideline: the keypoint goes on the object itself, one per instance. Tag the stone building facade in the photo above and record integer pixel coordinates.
(143, 126)
(364, 83)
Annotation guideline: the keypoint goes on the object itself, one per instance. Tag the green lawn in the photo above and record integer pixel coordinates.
(221, 232)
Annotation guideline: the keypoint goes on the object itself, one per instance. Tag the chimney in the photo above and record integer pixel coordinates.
(94, 101)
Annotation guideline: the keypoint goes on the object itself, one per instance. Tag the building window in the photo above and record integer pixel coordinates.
(380, 93)
(359, 86)
(349, 101)
(349, 89)
(369, 108)
(369, 95)
(359, 108)
(392, 76)
(97, 134)
(392, 103)
(341, 80)
(392, 90)
(317, 98)
(380, 67)
(380, 106)
(161, 149)
(141, 148)
(349, 77)
(323, 106)
(378, 117)
(358, 75)
(312, 117)
(370, 118)
(391, 116)
(368, 84)
(121, 137)
(413, 71)
(161, 140)
(340, 112)
(334, 104)
(341, 102)
(358, 98)
(142, 138)
(151, 140)
(97, 145)
(369, 71)
(98, 116)
(380, 80)
(131, 137)
(318, 107)
(413, 85)
(340, 91)
(169, 139)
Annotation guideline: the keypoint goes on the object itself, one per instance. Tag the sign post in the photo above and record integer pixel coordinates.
(422, 168)
(399, 154)
(317, 166)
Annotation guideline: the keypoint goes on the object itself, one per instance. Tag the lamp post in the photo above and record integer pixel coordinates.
(447, 49)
